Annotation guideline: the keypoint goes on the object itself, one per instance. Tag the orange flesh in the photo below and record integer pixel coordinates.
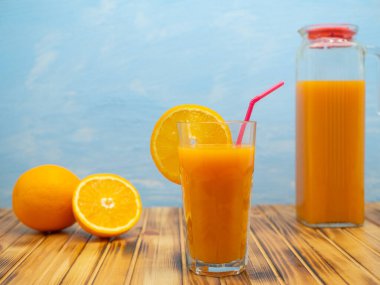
(106, 203)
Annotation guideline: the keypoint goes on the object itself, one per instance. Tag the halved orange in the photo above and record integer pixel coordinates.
(164, 140)
(106, 205)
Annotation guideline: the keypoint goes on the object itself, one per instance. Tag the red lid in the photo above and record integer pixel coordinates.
(343, 31)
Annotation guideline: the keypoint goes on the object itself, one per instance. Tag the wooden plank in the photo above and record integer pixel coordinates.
(118, 260)
(373, 213)
(4, 212)
(324, 256)
(13, 256)
(7, 221)
(281, 251)
(290, 268)
(362, 253)
(258, 269)
(369, 235)
(45, 259)
(8, 235)
(61, 259)
(159, 258)
(85, 265)
(8, 238)
(295, 237)
(262, 271)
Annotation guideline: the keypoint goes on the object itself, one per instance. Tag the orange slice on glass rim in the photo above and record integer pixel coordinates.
(106, 205)
(164, 140)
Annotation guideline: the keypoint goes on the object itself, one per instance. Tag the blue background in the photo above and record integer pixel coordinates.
(83, 83)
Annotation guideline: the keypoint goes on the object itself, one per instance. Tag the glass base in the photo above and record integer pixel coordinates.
(216, 269)
(330, 225)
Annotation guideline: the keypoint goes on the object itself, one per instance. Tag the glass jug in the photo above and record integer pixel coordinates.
(330, 109)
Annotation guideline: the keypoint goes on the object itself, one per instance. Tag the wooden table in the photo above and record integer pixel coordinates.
(281, 251)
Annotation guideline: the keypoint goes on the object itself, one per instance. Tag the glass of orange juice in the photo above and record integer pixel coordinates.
(216, 176)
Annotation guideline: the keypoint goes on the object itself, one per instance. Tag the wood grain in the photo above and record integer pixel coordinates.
(364, 255)
(19, 251)
(263, 270)
(7, 221)
(84, 267)
(373, 213)
(119, 259)
(281, 251)
(49, 257)
(368, 235)
(160, 248)
(291, 269)
(329, 256)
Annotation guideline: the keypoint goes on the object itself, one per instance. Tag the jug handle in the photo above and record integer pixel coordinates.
(373, 50)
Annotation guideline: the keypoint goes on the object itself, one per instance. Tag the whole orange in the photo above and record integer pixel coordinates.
(42, 198)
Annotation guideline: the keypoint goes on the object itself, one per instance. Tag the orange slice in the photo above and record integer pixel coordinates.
(106, 205)
(164, 140)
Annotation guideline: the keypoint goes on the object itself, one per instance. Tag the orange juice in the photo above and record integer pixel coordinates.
(216, 184)
(330, 152)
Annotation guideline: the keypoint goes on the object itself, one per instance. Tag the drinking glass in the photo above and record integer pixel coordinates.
(216, 167)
